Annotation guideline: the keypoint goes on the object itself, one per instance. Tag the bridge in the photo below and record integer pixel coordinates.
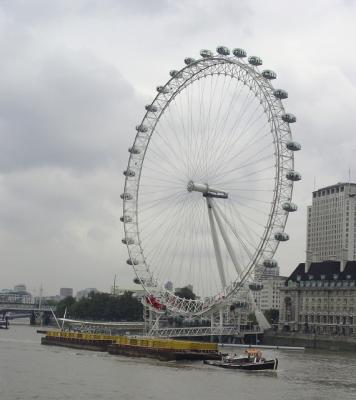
(139, 327)
(23, 307)
(201, 331)
(24, 310)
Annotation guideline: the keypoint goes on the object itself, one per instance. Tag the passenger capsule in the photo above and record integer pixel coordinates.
(206, 53)
(151, 108)
(294, 146)
(222, 50)
(270, 263)
(128, 241)
(189, 60)
(268, 74)
(255, 286)
(126, 219)
(134, 150)
(239, 53)
(290, 207)
(293, 176)
(129, 173)
(290, 118)
(281, 236)
(126, 196)
(280, 94)
(162, 89)
(132, 261)
(141, 128)
(137, 281)
(175, 74)
(255, 61)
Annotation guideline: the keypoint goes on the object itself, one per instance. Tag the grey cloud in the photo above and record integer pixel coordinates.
(72, 112)
(73, 78)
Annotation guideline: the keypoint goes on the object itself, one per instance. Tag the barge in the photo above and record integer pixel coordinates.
(162, 349)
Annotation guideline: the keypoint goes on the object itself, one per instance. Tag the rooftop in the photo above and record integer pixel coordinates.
(336, 185)
(325, 270)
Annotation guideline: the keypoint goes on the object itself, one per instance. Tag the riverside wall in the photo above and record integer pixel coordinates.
(311, 341)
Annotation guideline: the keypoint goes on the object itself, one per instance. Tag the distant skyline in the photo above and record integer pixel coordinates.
(75, 78)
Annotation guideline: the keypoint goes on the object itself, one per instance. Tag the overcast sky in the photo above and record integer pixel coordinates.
(74, 79)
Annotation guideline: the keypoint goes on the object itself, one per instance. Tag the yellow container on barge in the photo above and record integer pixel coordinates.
(165, 349)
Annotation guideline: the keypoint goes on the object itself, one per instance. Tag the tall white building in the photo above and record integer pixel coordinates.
(269, 297)
(331, 224)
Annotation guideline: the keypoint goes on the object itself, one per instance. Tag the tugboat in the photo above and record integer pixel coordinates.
(250, 360)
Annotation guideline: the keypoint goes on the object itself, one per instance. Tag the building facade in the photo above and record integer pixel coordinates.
(320, 299)
(331, 224)
(15, 296)
(65, 292)
(269, 296)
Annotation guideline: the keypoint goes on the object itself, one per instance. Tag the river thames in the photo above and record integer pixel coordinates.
(31, 371)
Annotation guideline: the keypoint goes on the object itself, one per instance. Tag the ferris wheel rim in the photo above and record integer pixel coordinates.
(142, 271)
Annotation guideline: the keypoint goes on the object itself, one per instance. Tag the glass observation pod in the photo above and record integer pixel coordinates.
(128, 241)
(281, 236)
(126, 219)
(255, 286)
(175, 74)
(134, 150)
(141, 128)
(151, 108)
(268, 74)
(294, 146)
(132, 261)
(239, 53)
(290, 118)
(270, 263)
(126, 196)
(280, 94)
(290, 207)
(222, 50)
(189, 60)
(162, 89)
(206, 53)
(293, 176)
(129, 172)
(255, 61)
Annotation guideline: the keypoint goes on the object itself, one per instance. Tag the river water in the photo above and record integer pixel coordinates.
(31, 371)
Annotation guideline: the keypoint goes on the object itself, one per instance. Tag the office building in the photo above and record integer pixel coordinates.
(331, 225)
(268, 297)
(65, 292)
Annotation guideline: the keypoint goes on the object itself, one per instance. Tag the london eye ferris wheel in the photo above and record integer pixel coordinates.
(209, 180)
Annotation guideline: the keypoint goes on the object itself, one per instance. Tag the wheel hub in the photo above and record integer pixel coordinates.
(207, 190)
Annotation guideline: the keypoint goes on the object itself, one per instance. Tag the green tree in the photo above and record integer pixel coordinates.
(66, 303)
(103, 307)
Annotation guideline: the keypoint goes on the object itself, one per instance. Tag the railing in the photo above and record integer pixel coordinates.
(22, 307)
(199, 331)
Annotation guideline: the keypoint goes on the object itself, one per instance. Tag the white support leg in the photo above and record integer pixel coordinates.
(226, 239)
(216, 244)
(261, 319)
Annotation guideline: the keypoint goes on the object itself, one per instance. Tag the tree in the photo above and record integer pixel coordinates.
(185, 293)
(66, 303)
(103, 307)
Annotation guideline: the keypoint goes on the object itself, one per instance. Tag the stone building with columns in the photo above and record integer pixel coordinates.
(320, 298)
